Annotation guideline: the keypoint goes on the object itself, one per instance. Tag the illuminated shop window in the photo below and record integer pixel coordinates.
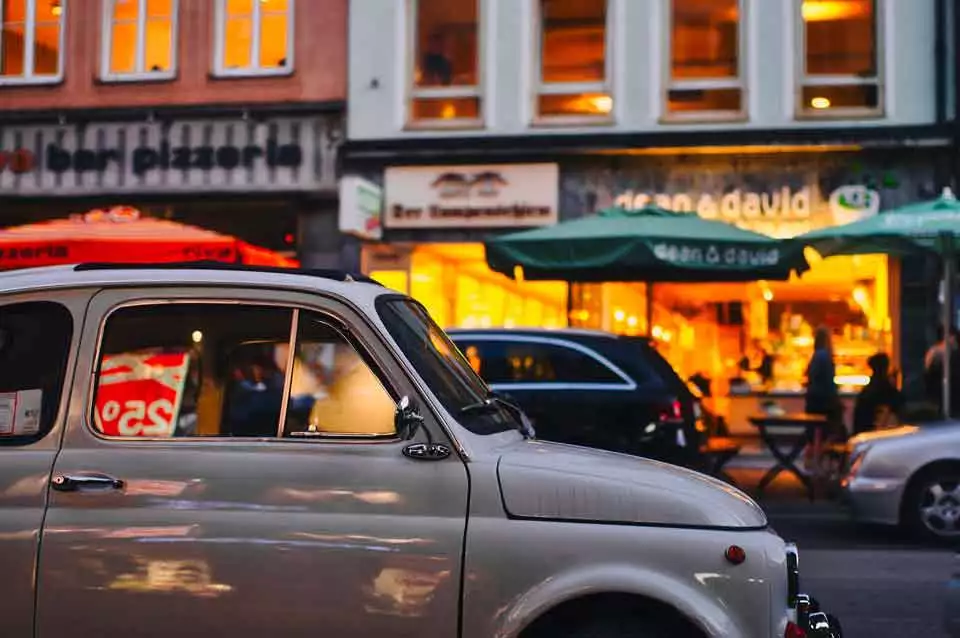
(458, 289)
(574, 61)
(140, 40)
(254, 37)
(31, 41)
(840, 58)
(706, 76)
(445, 68)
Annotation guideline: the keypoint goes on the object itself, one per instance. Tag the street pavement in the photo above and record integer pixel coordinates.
(878, 582)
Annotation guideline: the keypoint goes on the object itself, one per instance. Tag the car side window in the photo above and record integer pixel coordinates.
(334, 389)
(195, 369)
(500, 362)
(206, 369)
(35, 342)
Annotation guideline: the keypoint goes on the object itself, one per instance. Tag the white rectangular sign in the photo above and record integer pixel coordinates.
(478, 196)
(361, 207)
(20, 412)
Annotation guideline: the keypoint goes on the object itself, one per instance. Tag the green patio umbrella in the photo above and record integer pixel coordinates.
(645, 245)
(931, 227)
(909, 229)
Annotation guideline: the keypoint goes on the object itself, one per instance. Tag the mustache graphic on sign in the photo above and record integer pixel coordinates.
(485, 184)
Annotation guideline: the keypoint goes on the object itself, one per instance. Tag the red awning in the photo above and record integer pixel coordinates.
(121, 235)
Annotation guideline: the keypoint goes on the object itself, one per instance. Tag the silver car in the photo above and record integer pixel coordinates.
(202, 450)
(907, 476)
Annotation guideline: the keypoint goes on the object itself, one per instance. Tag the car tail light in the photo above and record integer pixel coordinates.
(672, 413)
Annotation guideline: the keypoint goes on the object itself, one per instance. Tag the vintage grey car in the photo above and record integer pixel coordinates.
(908, 476)
(200, 450)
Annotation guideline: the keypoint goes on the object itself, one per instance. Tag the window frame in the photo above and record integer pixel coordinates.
(29, 78)
(139, 74)
(801, 79)
(541, 88)
(413, 93)
(740, 82)
(330, 318)
(628, 385)
(255, 70)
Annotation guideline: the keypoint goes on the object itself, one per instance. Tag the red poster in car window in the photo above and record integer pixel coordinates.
(140, 394)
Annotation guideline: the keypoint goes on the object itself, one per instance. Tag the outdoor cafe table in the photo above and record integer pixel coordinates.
(798, 430)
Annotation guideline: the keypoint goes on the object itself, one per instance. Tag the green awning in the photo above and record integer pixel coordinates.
(648, 244)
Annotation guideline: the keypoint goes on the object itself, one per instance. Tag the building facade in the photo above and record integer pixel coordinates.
(210, 112)
(477, 117)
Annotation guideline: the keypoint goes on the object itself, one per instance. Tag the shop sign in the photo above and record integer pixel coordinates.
(682, 254)
(297, 154)
(361, 205)
(482, 196)
(784, 212)
(386, 257)
(140, 395)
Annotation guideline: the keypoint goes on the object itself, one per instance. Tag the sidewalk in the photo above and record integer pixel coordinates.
(751, 464)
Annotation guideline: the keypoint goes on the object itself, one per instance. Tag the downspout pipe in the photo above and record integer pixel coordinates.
(940, 59)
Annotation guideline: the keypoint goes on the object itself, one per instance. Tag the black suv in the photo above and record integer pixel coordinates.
(591, 388)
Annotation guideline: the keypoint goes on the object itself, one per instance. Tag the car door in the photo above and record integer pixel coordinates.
(37, 339)
(570, 392)
(233, 469)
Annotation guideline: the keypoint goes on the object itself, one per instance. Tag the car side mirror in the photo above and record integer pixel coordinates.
(407, 419)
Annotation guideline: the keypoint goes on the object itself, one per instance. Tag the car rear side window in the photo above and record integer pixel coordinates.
(221, 370)
(523, 361)
(35, 341)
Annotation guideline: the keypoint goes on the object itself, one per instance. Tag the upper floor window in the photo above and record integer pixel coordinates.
(254, 37)
(140, 39)
(573, 60)
(31, 41)
(705, 74)
(446, 65)
(840, 70)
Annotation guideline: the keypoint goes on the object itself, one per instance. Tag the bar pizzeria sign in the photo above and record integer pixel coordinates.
(681, 254)
(280, 154)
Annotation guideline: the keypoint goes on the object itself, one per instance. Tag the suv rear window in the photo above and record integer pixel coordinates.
(637, 351)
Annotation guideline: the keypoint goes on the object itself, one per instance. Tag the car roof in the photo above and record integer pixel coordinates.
(345, 284)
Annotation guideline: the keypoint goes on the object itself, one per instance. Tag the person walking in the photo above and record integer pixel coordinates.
(822, 396)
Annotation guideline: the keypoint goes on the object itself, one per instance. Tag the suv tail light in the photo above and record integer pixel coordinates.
(672, 413)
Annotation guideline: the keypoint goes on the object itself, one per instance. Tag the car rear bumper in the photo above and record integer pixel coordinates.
(808, 619)
(814, 622)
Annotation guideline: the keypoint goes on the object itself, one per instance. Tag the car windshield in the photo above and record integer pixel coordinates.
(443, 368)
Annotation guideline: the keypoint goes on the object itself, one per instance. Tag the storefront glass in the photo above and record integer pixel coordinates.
(456, 286)
(721, 331)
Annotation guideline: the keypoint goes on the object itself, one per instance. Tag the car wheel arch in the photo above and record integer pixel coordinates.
(928, 469)
(617, 582)
(611, 604)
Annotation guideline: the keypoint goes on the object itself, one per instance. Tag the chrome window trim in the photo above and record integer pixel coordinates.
(295, 308)
(628, 384)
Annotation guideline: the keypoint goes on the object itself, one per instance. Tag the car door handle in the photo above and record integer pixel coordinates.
(78, 482)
